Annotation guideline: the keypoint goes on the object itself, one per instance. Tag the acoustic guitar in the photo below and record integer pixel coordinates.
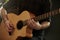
(21, 28)
(19, 22)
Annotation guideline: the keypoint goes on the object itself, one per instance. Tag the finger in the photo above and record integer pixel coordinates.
(33, 21)
(28, 22)
(9, 30)
(11, 26)
(31, 24)
(8, 26)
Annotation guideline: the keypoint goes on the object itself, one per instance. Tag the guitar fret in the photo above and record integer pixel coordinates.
(55, 11)
(36, 18)
(49, 14)
(46, 15)
(39, 17)
(52, 12)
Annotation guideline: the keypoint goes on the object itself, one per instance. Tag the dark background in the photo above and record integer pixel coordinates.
(54, 30)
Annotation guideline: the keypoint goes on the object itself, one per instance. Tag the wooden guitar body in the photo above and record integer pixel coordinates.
(24, 31)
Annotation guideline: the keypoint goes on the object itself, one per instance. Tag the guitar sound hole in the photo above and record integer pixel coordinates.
(19, 25)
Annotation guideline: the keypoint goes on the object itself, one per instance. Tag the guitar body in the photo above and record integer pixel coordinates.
(24, 31)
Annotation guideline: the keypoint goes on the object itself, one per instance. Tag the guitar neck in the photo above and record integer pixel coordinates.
(46, 15)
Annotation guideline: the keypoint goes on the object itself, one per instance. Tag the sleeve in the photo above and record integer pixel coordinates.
(8, 5)
(11, 7)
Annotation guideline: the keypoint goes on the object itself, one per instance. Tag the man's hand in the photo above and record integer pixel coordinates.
(36, 25)
(9, 25)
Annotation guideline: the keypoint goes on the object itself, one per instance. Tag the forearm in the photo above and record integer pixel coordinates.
(43, 25)
(4, 14)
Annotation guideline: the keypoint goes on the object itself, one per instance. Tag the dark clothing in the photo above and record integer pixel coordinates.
(37, 7)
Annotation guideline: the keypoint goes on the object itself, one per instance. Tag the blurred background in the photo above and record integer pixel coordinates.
(53, 32)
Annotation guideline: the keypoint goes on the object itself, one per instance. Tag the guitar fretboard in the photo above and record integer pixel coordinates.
(46, 15)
